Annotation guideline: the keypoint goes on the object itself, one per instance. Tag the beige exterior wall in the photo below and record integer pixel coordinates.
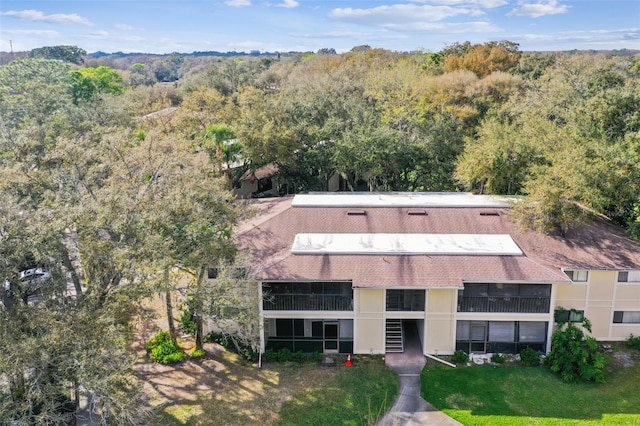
(599, 297)
(441, 324)
(369, 325)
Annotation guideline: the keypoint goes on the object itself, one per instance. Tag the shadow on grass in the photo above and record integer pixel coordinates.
(357, 395)
(224, 389)
(474, 392)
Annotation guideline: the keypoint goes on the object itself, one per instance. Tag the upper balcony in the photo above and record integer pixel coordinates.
(507, 298)
(307, 296)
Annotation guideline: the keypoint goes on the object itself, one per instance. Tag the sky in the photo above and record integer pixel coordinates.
(165, 26)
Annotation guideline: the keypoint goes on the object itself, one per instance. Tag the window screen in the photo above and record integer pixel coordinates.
(532, 331)
(462, 330)
(501, 331)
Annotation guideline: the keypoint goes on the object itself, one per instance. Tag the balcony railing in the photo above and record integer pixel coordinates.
(528, 305)
(307, 302)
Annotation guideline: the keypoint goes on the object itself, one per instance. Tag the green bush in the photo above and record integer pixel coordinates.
(575, 356)
(285, 355)
(163, 349)
(633, 342)
(187, 320)
(498, 358)
(198, 353)
(529, 357)
(460, 357)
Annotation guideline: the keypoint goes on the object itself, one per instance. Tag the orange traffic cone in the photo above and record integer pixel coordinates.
(348, 361)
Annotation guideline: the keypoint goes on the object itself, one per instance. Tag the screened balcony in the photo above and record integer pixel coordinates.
(512, 298)
(307, 296)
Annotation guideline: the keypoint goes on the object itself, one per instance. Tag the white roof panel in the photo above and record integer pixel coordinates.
(407, 244)
(397, 199)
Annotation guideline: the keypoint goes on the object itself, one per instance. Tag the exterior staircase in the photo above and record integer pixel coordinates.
(395, 340)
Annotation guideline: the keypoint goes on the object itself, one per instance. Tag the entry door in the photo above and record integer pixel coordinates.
(478, 338)
(331, 336)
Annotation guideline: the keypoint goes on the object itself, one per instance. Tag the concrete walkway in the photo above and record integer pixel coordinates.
(409, 408)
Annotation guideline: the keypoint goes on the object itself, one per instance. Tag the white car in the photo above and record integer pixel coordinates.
(31, 279)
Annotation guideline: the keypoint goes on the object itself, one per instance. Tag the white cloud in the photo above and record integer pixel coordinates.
(332, 34)
(100, 33)
(398, 15)
(586, 37)
(56, 18)
(450, 28)
(537, 10)
(288, 4)
(123, 27)
(238, 3)
(486, 4)
(36, 33)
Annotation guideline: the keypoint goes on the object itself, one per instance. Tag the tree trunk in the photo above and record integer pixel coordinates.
(197, 314)
(199, 330)
(169, 303)
(76, 400)
(66, 261)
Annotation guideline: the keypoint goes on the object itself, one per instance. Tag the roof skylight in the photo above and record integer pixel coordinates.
(407, 244)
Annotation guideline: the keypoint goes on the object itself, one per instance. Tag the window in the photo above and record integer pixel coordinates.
(405, 300)
(576, 315)
(500, 336)
(502, 331)
(577, 276)
(533, 331)
(626, 317)
(629, 276)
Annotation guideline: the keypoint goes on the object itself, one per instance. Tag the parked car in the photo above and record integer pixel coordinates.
(31, 279)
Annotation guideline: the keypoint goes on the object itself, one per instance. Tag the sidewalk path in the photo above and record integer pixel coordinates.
(409, 408)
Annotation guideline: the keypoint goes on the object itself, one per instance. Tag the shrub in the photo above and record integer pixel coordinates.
(498, 358)
(163, 349)
(187, 320)
(460, 357)
(575, 356)
(633, 342)
(198, 353)
(529, 357)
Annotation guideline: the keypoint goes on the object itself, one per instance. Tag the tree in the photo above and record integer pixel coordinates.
(220, 142)
(72, 54)
(87, 82)
(482, 59)
(139, 75)
(575, 356)
(568, 140)
(79, 183)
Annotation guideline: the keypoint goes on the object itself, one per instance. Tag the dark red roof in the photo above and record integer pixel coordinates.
(268, 237)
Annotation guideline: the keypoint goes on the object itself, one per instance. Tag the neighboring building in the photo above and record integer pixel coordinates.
(345, 272)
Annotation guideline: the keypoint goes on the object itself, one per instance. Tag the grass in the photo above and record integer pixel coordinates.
(511, 395)
(355, 396)
(286, 394)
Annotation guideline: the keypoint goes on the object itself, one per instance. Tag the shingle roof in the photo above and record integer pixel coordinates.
(269, 235)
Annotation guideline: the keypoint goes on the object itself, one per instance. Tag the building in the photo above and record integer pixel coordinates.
(347, 272)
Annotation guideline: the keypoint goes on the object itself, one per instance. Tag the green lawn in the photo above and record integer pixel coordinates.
(509, 395)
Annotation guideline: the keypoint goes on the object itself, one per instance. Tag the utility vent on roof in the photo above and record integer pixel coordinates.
(490, 213)
(357, 213)
(417, 212)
